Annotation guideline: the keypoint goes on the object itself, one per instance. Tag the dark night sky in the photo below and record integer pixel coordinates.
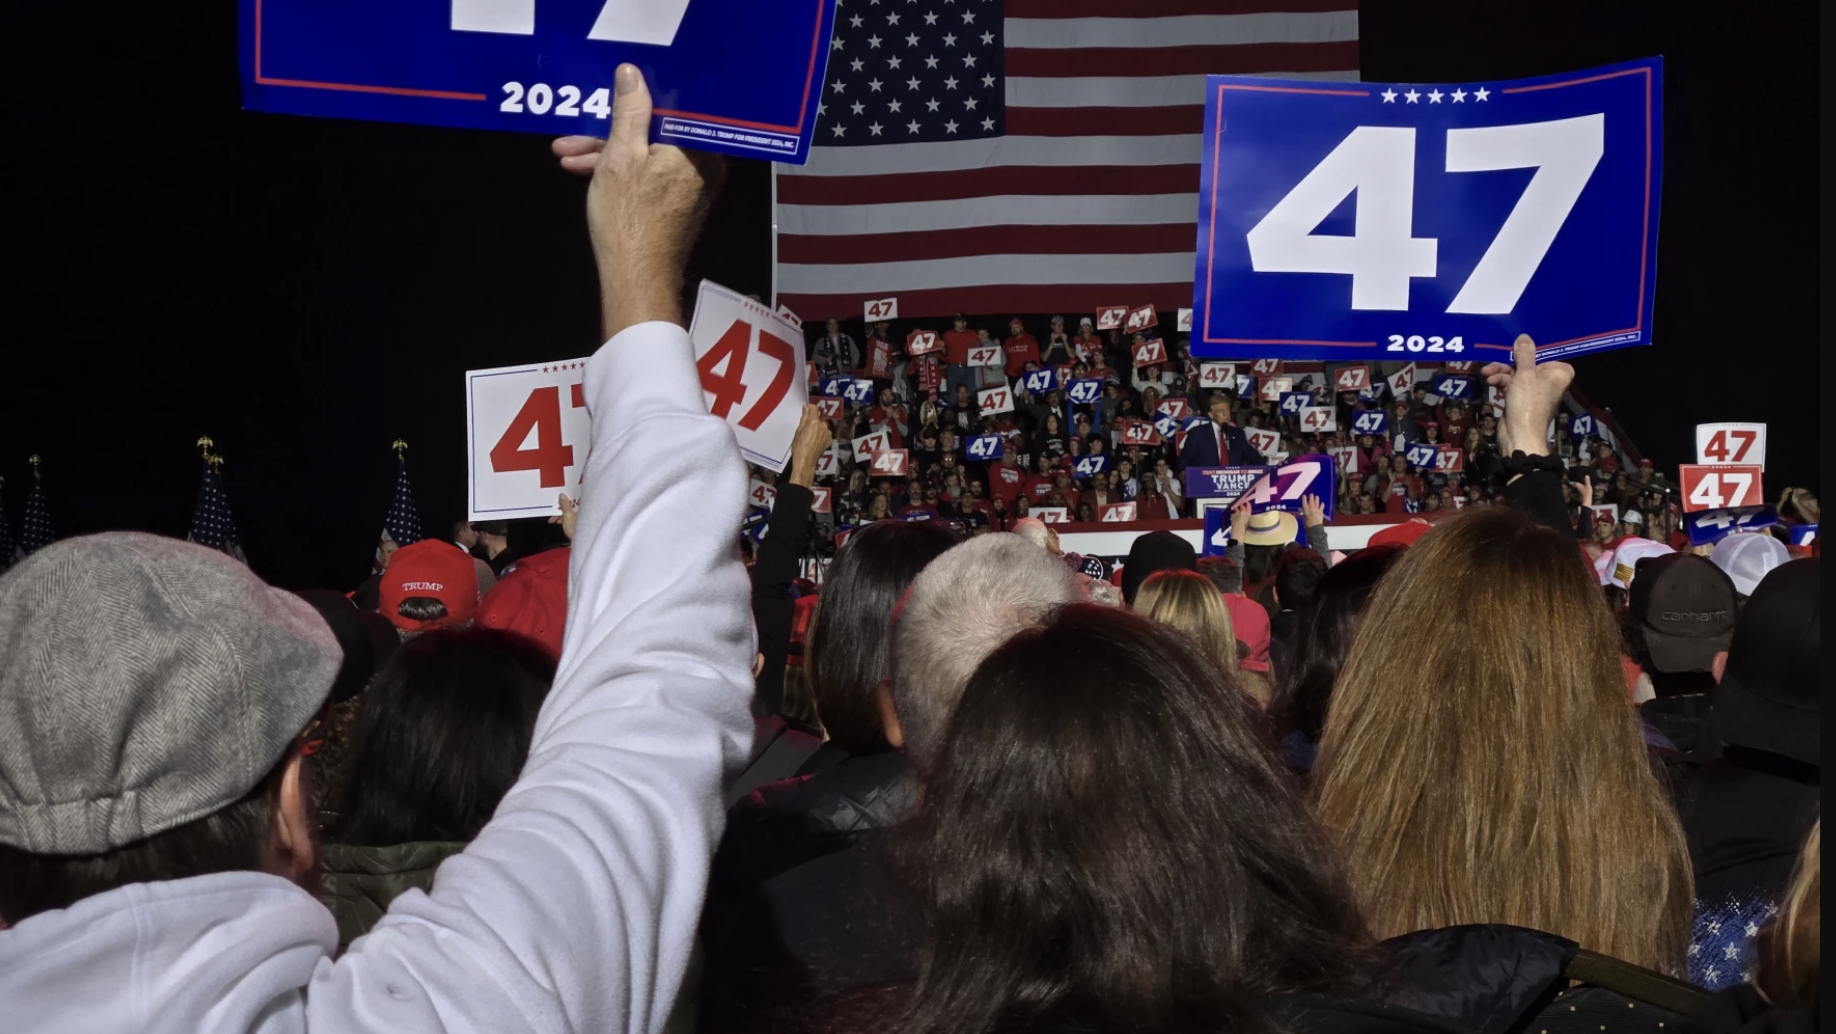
(305, 291)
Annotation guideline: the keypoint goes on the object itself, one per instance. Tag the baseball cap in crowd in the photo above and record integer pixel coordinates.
(531, 600)
(430, 568)
(1687, 607)
(1626, 557)
(1086, 322)
(1271, 528)
(1250, 621)
(1748, 557)
(1058, 319)
(1152, 553)
(1768, 695)
(1404, 534)
(1631, 516)
(144, 683)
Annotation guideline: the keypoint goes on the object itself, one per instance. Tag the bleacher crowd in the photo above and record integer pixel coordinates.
(1466, 779)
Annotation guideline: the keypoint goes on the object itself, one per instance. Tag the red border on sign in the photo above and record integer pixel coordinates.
(1644, 240)
(454, 95)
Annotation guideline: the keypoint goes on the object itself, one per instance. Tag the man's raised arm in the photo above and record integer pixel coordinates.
(575, 907)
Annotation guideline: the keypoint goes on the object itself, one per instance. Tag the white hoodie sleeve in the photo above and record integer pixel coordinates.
(575, 908)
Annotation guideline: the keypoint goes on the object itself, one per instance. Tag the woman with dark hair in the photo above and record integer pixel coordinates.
(443, 732)
(855, 781)
(1054, 896)
(1322, 637)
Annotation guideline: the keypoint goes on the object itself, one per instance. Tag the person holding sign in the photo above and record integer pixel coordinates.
(175, 889)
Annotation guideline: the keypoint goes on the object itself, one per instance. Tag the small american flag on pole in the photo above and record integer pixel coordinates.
(212, 524)
(402, 524)
(1032, 156)
(36, 530)
(6, 535)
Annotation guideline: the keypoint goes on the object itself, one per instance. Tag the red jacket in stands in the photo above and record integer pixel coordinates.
(1021, 349)
(957, 344)
(1037, 487)
(1004, 482)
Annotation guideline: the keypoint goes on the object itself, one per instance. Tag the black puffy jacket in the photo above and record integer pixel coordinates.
(1497, 979)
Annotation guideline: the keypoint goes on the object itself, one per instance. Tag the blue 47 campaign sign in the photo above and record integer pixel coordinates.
(1705, 527)
(734, 76)
(983, 448)
(1362, 221)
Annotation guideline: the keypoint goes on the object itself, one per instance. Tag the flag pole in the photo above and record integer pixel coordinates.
(774, 235)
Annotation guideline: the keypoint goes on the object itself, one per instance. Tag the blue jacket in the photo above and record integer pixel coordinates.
(1202, 449)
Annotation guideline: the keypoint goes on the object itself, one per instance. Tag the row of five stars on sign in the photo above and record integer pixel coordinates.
(1434, 96)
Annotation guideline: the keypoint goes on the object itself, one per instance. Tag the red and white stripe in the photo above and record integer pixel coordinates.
(1091, 197)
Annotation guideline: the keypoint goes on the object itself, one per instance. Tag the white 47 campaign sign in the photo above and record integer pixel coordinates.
(749, 357)
(529, 434)
(875, 310)
(1731, 443)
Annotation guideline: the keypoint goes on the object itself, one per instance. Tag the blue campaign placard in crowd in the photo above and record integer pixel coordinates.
(725, 75)
(1420, 455)
(1090, 466)
(1452, 387)
(1370, 221)
(1221, 482)
(1038, 382)
(1217, 532)
(1802, 534)
(1084, 392)
(1370, 421)
(1291, 402)
(983, 448)
(1581, 426)
(1706, 527)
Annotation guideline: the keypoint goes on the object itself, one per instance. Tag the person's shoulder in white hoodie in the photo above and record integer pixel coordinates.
(575, 907)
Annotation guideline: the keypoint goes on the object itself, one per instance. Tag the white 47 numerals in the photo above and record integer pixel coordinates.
(1381, 255)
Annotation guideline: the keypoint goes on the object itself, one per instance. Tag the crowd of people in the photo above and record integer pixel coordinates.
(968, 783)
(1148, 423)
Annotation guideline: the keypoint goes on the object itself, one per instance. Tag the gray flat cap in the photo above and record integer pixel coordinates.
(144, 682)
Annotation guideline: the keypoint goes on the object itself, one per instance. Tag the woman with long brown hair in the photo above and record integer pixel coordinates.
(1497, 775)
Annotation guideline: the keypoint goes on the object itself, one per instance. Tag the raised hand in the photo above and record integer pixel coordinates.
(644, 208)
(1532, 396)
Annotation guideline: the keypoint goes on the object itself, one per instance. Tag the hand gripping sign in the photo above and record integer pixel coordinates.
(1038, 382)
(995, 400)
(923, 342)
(726, 75)
(1217, 375)
(1138, 432)
(1116, 513)
(1287, 486)
(749, 358)
(867, 445)
(1731, 443)
(1318, 419)
(986, 355)
(890, 463)
(1720, 486)
(1706, 527)
(1352, 378)
(1460, 388)
(1370, 421)
(983, 448)
(529, 433)
(1149, 352)
(1372, 221)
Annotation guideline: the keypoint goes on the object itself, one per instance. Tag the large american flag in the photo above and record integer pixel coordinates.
(1031, 156)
